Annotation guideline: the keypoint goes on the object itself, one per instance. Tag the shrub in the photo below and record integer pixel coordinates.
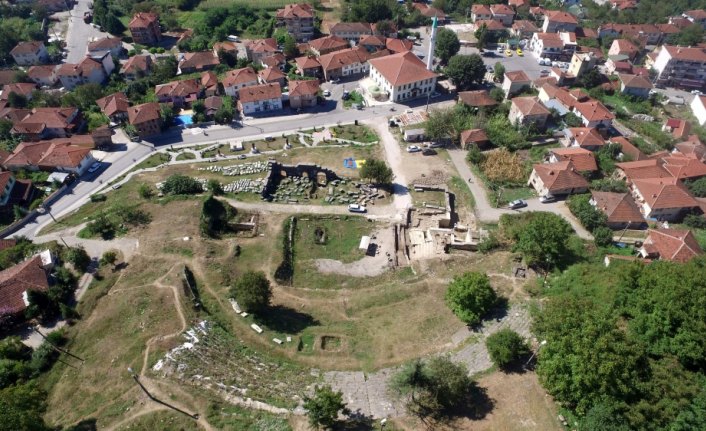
(506, 347)
(602, 236)
(252, 291)
(470, 296)
(78, 257)
(695, 221)
(109, 257)
(588, 215)
(475, 155)
(145, 191)
(98, 198)
(181, 185)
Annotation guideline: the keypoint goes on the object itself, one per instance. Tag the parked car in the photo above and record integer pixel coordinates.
(327, 93)
(547, 199)
(345, 95)
(519, 52)
(519, 203)
(356, 208)
(413, 149)
(696, 92)
(435, 145)
(508, 53)
(428, 152)
(94, 167)
(241, 156)
(544, 72)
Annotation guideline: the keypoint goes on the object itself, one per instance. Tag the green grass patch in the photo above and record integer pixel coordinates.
(186, 156)
(260, 4)
(354, 97)
(652, 131)
(334, 237)
(352, 132)
(227, 416)
(182, 251)
(152, 161)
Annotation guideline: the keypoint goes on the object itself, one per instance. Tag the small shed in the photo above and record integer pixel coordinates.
(414, 135)
(364, 243)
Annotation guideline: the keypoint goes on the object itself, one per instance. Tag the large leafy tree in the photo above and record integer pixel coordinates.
(323, 408)
(470, 296)
(252, 291)
(506, 347)
(447, 45)
(22, 408)
(435, 388)
(544, 240)
(481, 35)
(465, 70)
(377, 171)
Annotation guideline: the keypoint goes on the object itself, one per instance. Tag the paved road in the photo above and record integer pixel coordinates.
(79, 33)
(486, 213)
(78, 193)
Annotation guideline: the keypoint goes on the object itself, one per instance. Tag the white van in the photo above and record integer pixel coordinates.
(233, 38)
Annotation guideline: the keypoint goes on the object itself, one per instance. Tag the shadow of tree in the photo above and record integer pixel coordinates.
(84, 425)
(284, 319)
(476, 406)
(357, 421)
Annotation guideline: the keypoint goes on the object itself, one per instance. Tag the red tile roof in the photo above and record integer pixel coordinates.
(672, 244)
(257, 93)
(303, 88)
(143, 113)
(686, 53)
(15, 281)
(52, 153)
(682, 167)
(560, 16)
(42, 71)
(594, 111)
(143, 20)
(628, 149)
(346, 57)
(490, 25)
(398, 45)
(105, 43)
(328, 43)
(402, 68)
(271, 74)
(478, 98)
(239, 76)
(262, 45)
(26, 47)
(113, 104)
(182, 88)
(517, 76)
(137, 63)
(582, 159)
(198, 60)
(634, 81)
(21, 88)
(530, 106)
(618, 207)
(641, 169)
(501, 9)
(473, 136)
(587, 136)
(294, 11)
(350, 27)
(664, 193)
(307, 62)
(560, 176)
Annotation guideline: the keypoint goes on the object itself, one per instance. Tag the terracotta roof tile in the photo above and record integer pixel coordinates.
(560, 176)
(672, 244)
(478, 98)
(260, 92)
(294, 11)
(142, 20)
(27, 47)
(582, 159)
(560, 16)
(113, 104)
(144, 113)
(303, 88)
(15, 281)
(665, 192)
(530, 106)
(402, 68)
(338, 59)
(618, 207)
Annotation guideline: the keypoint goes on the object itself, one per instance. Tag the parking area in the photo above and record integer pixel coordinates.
(527, 63)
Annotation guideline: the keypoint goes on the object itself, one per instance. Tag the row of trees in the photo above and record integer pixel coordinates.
(625, 345)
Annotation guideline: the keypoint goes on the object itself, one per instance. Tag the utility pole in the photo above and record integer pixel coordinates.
(58, 349)
(194, 416)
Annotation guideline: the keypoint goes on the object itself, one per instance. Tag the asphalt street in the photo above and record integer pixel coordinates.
(79, 33)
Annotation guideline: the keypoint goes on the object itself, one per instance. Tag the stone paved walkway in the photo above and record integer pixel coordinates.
(368, 393)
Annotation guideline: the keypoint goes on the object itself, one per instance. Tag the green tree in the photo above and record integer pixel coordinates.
(290, 47)
(164, 69)
(448, 123)
(475, 155)
(506, 347)
(214, 186)
(544, 240)
(602, 236)
(22, 408)
(199, 109)
(465, 70)
(145, 191)
(573, 120)
(78, 257)
(181, 185)
(435, 388)
(167, 114)
(253, 292)
(447, 45)
(83, 96)
(369, 11)
(109, 258)
(470, 296)
(16, 100)
(589, 216)
(324, 407)
(499, 72)
(688, 36)
(481, 35)
(698, 187)
(113, 25)
(377, 171)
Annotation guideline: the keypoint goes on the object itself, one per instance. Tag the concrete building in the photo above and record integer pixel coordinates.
(303, 93)
(235, 80)
(555, 21)
(144, 28)
(402, 76)
(298, 19)
(514, 82)
(351, 31)
(634, 85)
(698, 108)
(260, 98)
(528, 110)
(146, 119)
(30, 53)
(557, 179)
(681, 67)
(581, 62)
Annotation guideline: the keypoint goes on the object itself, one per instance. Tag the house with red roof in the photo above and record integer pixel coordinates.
(235, 80)
(477, 99)
(351, 31)
(43, 75)
(144, 28)
(256, 50)
(474, 137)
(298, 19)
(344, 63)
(136, 67)
(514, 82)
(303, 93)
(59, 155)
(664, 199)
(30, 53)
(523, 28)
(481, 12)
(697, 16)
(93, 70)
(308, 66)
(114, 106)
(677, 127)
(634, 85)
(557, 179)
(502, 13)
(190, 62)
(326, 44)
(582, 159)
(260, 98)
(620, 210)
(402, 76)
(16, 281)
(46, 123)
(178, 93)
(528, 110)
(113, 45)
(146, 119)
(555, 21)
(683, 67)
(587, 138)
(594, 114)
(676, 245)
(272, 75)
